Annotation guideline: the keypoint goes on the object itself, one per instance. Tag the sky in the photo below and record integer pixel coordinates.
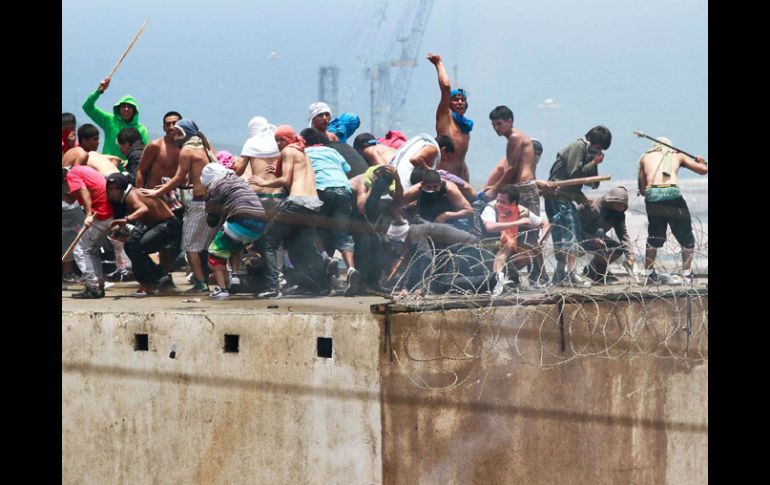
(624, 64)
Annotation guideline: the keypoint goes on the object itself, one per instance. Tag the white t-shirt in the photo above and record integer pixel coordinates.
(409, 149)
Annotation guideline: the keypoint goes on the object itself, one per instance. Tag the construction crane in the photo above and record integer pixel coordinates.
(387, 99)
(328, 77)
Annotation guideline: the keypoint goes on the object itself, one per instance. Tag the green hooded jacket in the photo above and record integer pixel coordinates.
(112, 123)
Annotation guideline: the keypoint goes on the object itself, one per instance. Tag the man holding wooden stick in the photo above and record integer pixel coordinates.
(579, 159)
(89, 188)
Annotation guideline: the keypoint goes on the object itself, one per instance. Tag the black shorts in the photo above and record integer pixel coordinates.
(672, 213)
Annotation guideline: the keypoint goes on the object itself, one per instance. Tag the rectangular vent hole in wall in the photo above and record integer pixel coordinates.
(231, 343)
(324, 347)
(141, 342)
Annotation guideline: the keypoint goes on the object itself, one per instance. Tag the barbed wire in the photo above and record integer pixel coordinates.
(550, 326)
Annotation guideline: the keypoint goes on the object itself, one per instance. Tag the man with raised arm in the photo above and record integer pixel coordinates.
(451, 121)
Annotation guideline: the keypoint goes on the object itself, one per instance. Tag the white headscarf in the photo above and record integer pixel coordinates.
(316, 109)
(261, 142)
(213, 172)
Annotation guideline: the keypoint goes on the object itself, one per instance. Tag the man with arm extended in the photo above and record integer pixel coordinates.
(196, 234)
(658, 183)
(451, 121)
(295, 221)
(155, 228)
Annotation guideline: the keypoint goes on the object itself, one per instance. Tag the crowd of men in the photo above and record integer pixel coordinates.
(270, 220)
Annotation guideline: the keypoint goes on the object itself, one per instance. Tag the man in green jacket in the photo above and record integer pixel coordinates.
(125, 114)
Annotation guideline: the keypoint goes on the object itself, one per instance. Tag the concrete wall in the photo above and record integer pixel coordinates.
(273, 413)
(490, 398)
(616, 395)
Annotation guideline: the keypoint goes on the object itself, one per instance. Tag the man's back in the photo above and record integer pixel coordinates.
(653, 164)
(303, 178)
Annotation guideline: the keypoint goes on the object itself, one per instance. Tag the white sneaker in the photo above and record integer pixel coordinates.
(354, 278)
(235, 284)
(219, 294)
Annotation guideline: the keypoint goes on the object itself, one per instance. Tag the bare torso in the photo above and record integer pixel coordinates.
(258, 166)
(162, 161)
(520, 157)
(303, 176)
(379, 154)
(197, 159)
(455, 162)
(654, 175)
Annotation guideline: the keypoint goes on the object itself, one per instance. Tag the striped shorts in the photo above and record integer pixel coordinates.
(196, 234)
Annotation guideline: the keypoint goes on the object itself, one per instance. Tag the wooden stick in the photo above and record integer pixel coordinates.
(580, 181)
(641, 134)
(74, 243)
(109, 76)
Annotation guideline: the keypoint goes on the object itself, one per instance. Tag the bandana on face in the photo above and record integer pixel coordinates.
(466, 125)
(184, 130)
(287, 134)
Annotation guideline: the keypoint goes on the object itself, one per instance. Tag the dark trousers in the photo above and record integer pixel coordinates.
(335, 219)
(609, 254)
(294, 225)
(144, 241)
(370, 250)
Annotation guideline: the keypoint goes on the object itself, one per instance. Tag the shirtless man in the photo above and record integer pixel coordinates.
(259, 152)
(374, 152)
(451, 121)
(658, 169)
(86, 154)
(161, 157)
(294, 223)
(155, 228)
(196, 234)
(320, 114)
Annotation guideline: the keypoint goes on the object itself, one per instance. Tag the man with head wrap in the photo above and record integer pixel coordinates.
(233, 205)
(152, 228)
(658, 169)
(319, 117)
(599, 215)
(344, 126)
(451, 121)
(259, 152)
(372, 150)
(295, 221)
(196, 235)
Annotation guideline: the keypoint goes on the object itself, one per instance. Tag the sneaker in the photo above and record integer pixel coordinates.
(70, 278)
(108, 284)
(143, 292)
(689, 280)
(88, 294)
(165, 283)
(235, 284)
(575, 281)
(197, 288)
(663, 279)
(170, 282)
(219, 294)
(354, 278)
(610, 279)
(273, 293)
(120, 275)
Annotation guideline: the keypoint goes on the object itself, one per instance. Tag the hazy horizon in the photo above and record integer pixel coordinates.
(621, 64)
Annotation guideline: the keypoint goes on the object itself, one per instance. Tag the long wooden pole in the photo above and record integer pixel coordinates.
(641, 134)
(580, 181)
(115, 68)
(74, 243)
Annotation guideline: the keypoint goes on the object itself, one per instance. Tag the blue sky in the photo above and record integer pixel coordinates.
(627, 65)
